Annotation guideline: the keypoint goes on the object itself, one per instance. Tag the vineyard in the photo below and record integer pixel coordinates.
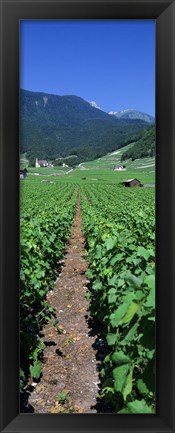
(46, 219)
(118, 225)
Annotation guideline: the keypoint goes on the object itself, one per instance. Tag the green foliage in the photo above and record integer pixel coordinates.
(22, 378)
(119, 226)
(35, 369)
(120, 375)
(63, 397)
(31, 162)
(46, 217)
(143, 147)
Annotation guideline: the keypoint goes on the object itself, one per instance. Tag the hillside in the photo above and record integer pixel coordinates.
(110, 160)
(137, 155)
(54, 126)
(144, 147)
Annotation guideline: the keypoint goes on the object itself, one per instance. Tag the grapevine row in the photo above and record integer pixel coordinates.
(46, 220)
(119, 230)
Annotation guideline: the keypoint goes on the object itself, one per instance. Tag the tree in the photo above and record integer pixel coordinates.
(32, 162)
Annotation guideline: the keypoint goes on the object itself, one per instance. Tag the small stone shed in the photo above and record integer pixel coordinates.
(132, 182)
(23, 173)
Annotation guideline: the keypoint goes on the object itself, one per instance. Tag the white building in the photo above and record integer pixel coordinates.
(119, 168)
(41, 163)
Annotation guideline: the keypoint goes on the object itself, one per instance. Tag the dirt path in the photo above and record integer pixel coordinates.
(70, 365)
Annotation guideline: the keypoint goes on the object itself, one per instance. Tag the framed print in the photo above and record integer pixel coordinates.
(77, 354)
(95, 324)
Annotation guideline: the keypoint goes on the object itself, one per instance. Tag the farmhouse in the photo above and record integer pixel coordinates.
(41, 163)
(132, 182)
(119, 168)
(23, 173)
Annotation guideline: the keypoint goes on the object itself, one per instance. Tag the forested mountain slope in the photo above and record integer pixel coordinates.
(54, 126)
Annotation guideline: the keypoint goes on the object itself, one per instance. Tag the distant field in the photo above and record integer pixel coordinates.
(91, 176)
(110, 176)
(45, 171)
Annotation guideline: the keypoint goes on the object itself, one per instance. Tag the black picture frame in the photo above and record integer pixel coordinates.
(163, 11)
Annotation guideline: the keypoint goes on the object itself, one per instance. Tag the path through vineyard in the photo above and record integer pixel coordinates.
(70, 363)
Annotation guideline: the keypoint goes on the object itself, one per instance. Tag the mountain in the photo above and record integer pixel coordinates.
(132, 114)
(54, 126)
(143, 146)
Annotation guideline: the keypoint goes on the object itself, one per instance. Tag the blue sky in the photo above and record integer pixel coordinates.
(111, 62)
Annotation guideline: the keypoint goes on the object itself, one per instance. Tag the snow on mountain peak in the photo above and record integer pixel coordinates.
(94, 104)
(122, 111)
